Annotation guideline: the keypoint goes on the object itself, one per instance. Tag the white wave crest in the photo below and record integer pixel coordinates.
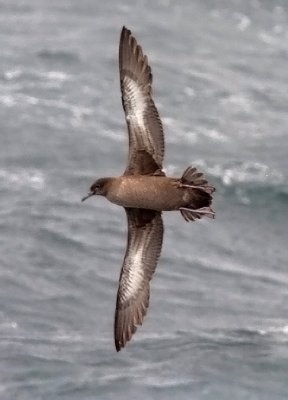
(274, 330)
(242, 172)
(16, 73)
(31, 178)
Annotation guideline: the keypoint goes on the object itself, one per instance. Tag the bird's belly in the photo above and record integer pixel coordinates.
(154, 193)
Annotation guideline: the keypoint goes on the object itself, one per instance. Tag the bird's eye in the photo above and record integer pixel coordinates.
(96, 186)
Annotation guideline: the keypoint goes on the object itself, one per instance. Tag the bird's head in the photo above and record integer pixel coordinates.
(99, 187)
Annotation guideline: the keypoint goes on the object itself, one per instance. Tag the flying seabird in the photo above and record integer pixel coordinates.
(144, 190)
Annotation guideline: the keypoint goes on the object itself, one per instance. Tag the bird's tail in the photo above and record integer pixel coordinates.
(201, 195)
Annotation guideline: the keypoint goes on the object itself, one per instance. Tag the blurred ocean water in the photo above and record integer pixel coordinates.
(218, 320)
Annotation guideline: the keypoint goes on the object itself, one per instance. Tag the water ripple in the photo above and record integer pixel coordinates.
(35, 179)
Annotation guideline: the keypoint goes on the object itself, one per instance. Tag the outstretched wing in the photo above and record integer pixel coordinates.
(144, 125)
(145, 234)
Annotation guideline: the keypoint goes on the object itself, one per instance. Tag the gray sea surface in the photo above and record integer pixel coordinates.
(217, 326)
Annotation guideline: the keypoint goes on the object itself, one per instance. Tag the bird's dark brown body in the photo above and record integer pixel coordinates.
(159, 193)
(144, 190)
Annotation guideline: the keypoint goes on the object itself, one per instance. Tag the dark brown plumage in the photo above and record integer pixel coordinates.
(144, 190)
(144, 125)
(145, 234)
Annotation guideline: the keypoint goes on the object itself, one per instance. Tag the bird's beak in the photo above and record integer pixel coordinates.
(88, 195)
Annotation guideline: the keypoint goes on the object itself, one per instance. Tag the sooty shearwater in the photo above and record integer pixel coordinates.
(144, 190)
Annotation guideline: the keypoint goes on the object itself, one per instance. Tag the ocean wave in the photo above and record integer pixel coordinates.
(272, 330)
(247, 335)
(58, 55)
(8, 325)
(78, 112)
(10, 100)
(243, 172)
(12, 74)
(31, 74)
(180, 131)
(213, 134)
(34, 179)
(7, 100)
(238, 103)
(243, 21)
(18, 78)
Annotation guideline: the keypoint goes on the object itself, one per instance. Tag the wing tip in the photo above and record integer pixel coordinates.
(122, 334)
(124, 32)
(118, 346)
(132, 52)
